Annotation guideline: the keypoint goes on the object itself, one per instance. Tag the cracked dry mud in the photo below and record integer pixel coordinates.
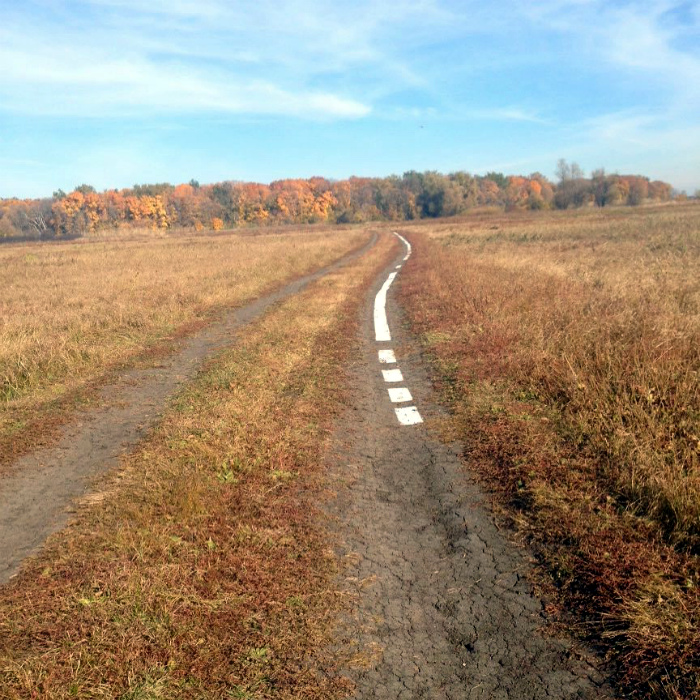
(443, 608)
(37, 496)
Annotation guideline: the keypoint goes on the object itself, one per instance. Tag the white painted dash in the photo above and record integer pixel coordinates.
(405, 242)
(381, 325)
(392, 375)
(408, 415)
(400, 395)
(387, 357)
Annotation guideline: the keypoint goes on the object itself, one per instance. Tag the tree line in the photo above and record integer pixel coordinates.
(414, 195)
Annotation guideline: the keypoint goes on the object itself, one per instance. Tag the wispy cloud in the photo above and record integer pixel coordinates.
(506, 114)
(591, 80)
(89, 82)
(185, 56)
(645, 40)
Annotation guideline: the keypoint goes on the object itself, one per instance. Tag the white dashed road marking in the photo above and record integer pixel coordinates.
(381, 325)
(400, 395)
(387, 357)
(392, 375)
(406, 415)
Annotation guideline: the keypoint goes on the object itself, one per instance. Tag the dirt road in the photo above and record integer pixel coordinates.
(443, 606)
(37, 496)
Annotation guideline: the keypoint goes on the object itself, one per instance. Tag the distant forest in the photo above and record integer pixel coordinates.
(413, 195)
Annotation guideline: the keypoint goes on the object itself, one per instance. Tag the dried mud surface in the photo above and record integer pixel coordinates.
(442, 603)
(40, 490)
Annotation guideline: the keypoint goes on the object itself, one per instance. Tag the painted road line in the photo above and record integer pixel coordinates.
(387, 357)
(392, 375)
(381, 325)
(405, 242)
(400, 395)
(408, 415)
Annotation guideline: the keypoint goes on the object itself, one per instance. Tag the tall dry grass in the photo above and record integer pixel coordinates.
(569, 347)
(601, 314)
(71, 310)
(202, 570)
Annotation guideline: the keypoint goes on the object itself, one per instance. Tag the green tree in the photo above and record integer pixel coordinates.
(499, 178)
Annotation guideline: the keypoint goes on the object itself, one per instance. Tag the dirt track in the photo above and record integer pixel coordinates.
(444, 609)
(37, 496)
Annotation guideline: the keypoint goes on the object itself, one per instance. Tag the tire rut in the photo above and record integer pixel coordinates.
(39, 493)
(443, 607)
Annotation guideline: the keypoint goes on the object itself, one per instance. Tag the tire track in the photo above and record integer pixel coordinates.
(39, 493)
(443, 608)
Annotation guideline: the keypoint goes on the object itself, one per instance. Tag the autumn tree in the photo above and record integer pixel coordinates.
(499, 178)
(661, 191)
(229, 198)
(469, 188)
(568, 171)
(639, 190)
(412, 195)
(573, 190)
(489, 191)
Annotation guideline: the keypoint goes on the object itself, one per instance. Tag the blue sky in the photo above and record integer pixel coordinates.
(118, 92)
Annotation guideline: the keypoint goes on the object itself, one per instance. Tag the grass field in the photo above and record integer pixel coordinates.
(72, 311)
(200, 571)
(566, 344)
(568, 348)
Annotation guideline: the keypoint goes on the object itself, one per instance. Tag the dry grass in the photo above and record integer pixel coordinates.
(71, 311)
(569, 349)
(202, 572)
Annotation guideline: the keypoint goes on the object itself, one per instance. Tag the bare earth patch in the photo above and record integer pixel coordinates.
(442, 606)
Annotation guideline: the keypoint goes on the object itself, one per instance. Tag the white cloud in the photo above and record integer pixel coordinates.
(506, 114)
(65, 81)
(183, 56)
(639, 38)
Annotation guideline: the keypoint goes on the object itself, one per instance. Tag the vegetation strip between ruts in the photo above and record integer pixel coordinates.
(567, 350)
(201, 570)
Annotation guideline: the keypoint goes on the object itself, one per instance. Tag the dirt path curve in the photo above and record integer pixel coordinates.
(37, 496)
(443, 606)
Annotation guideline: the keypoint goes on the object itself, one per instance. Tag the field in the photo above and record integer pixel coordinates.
(200, 569)
(73, 311)
(567, 346)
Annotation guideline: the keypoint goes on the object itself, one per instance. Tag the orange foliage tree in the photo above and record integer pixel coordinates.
(298, 201)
